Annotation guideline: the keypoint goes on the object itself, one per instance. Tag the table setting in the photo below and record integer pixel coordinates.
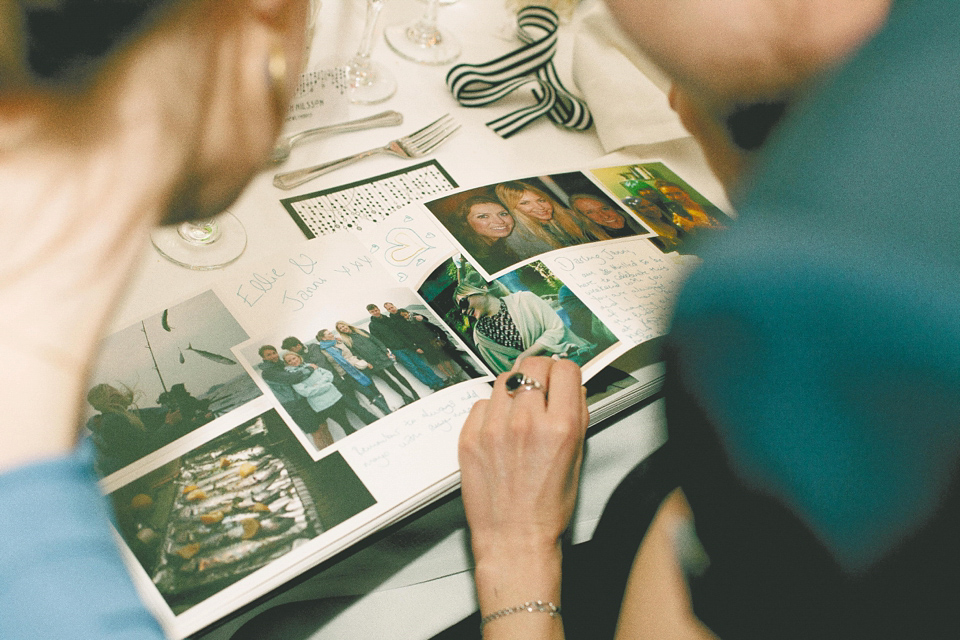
(488, 91)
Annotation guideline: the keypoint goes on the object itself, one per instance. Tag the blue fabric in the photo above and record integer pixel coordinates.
(330, 347)
(420, 369)
(61, 576)
(821, 338)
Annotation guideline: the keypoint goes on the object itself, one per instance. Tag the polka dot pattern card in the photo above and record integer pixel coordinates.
(351, 206)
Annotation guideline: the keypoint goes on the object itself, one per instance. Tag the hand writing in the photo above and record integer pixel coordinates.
(520, 465)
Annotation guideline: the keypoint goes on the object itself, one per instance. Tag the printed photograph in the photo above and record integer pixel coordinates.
(207, 519)
(358, 363)
(526, 312)
(666, 204)
(163, 377)
(501, 225)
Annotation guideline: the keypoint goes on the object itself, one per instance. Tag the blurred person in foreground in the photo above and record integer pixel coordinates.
(114, 116)
(813, 364)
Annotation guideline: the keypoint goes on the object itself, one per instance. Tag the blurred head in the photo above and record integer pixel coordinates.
(390, 307)
(292, 359)
(343, 327)
(192, 72)
(598, 210)
(374, 310)
(325, 334)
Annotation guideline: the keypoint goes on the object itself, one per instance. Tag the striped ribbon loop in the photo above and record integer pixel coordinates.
(530, 66)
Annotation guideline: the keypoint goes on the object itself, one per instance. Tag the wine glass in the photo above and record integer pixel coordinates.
(422, 41)
(370, 82)
(202, 245)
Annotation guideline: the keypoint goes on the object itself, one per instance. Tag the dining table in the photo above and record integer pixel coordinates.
(415, 579)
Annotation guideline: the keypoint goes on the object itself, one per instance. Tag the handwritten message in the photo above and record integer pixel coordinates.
(396, 454)
(631, 286)
(308, 279)
(447, 416)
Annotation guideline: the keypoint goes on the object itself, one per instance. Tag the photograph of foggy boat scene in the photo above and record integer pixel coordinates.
(162, 378)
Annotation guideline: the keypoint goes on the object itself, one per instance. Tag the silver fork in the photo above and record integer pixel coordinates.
(417, 144)
(282, 147)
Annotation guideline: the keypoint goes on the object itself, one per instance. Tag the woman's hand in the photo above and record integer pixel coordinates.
(520, 464)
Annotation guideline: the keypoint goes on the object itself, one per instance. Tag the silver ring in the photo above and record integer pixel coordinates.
(521, 382)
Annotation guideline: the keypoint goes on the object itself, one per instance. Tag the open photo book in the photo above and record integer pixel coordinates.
(249, 432)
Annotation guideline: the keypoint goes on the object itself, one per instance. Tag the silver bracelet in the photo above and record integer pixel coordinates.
(537, 606)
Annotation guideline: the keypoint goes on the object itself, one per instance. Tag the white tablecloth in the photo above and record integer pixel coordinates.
(417, 581)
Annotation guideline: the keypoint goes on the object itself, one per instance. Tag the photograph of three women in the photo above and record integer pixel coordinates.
(502, 225)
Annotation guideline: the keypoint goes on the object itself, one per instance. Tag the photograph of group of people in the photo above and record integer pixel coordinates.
(335, 376)
(164, 377)
(526, 312)
(505, 224)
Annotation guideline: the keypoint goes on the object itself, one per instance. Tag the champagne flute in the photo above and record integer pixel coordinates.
(370, 82)
(422, 41)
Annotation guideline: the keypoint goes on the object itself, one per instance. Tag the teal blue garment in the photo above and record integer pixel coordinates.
(61, 576)
(821, 338)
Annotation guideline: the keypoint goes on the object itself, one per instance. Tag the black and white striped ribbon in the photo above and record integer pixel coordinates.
(476, 85)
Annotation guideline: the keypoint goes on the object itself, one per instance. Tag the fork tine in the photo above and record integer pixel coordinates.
(428, 130)
(429, 145)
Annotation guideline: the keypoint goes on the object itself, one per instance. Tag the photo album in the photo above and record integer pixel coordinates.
(251, 431)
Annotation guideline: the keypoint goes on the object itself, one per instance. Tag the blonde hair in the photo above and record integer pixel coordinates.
(107, 399)
(563, 220)
(346, 337)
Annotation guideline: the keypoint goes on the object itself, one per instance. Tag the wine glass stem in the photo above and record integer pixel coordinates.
(200, 232)
(366, 42)
(425, 32)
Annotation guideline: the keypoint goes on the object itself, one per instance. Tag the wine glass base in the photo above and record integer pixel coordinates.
(412, 43)
(202, 257)
(372, 85)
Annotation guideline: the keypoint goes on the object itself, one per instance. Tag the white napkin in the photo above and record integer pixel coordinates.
(625, 91)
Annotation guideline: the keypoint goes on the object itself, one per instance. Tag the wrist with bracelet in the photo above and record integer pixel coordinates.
(534, 606)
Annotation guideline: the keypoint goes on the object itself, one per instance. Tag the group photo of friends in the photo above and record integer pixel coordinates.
(341, 375)
(526, 312)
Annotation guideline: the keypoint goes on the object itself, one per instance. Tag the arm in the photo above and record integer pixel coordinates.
(282, 375)
(657, 601)
(520, 463)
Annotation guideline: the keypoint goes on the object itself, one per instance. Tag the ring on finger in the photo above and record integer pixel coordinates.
(521, 382)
